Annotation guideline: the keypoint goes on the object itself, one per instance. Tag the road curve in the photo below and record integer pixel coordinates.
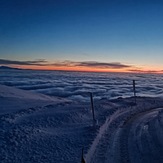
(140, 139)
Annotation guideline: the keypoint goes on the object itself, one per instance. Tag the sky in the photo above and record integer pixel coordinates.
(84, 35)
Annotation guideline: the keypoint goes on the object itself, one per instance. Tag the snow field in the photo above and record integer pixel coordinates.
(55, 130)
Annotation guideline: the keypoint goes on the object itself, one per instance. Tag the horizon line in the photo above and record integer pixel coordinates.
(85, 71)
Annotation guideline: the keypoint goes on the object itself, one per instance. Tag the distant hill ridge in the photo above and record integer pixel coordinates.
(8, 68)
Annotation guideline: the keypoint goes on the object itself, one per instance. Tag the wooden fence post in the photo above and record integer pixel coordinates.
(134, 89)
(82, 157)
(92, 106)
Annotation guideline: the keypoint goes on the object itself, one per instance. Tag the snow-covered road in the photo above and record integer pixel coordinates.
(143, 138)
(139, 139)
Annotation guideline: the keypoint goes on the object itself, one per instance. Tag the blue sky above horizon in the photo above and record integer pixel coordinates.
(126, 32)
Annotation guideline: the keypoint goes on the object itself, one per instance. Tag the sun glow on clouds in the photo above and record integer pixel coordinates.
(89, 66)
(74, 68)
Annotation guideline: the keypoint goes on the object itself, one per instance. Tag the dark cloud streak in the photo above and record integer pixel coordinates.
(67, 63)
(92, 64)
(10, 62)
(115, 65)
(146, 71)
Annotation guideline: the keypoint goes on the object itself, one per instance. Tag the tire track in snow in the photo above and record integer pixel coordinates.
(124, 152)
(145, 148)
(117, 138)
(99, 147)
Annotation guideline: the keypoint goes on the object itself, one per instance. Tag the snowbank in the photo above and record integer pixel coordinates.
(13, 99)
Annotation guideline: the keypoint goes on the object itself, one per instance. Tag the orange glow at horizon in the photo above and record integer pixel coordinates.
(91, 69)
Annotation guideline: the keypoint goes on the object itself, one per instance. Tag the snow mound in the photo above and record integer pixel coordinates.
(6, 91)
(13, 99)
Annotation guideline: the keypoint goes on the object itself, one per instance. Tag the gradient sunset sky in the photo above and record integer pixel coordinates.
(86, 35)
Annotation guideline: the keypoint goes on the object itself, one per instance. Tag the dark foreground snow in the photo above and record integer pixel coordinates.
(38, 128)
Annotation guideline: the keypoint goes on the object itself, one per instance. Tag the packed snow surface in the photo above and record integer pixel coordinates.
(38, 128)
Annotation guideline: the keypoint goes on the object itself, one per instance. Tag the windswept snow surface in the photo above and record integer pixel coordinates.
(38, 128)
(12, 99)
